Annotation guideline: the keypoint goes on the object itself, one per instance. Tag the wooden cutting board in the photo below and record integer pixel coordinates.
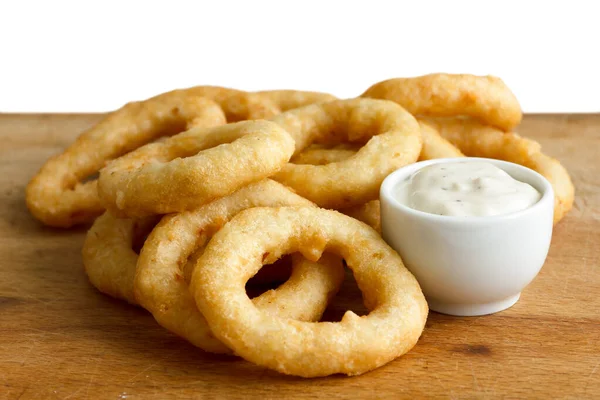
(60, 338)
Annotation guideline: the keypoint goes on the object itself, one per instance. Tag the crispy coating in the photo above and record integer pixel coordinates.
(369, 213)
(354, 345)
(486, 98)
(187, 170)
(308, 291)
(477, 140)
(434, 146)
(286, 100)
(108, 255)
(161, 288)
(57, 196)
(392, 139)
(472, 137)
(236, 104)
(553, 170)
(319, 154)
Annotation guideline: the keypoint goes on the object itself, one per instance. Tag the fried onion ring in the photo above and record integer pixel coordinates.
(289, 99)
(486, 98)
(354, 345)
(434, 146)
(477, 140)
(369, 213)
(236, 104)
(161, 289)
(110, 253)
(318, 154)
(187, 170)
(56, 195)
(392, 137)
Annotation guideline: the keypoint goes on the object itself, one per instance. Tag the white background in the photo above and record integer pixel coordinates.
(95, 56)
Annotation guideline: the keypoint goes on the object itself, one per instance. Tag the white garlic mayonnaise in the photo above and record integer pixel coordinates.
(466, 189)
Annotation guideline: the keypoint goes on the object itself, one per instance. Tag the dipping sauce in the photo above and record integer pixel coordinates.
(465, 189)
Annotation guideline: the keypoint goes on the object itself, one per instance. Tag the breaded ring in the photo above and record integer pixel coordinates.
(286, 100)
(56, 195)
(486, 98)
(236, 104)
(187, 170)
(161, 289)
(354, 345)
(318, 154)
(108, 255)
(434, 146)
(369, 213)
(392, 137)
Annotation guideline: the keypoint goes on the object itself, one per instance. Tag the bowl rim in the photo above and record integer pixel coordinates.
(538, 181)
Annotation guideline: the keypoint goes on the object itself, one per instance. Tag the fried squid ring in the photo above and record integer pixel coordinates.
(161, 289)
(286, 100)
(477, 140)
(369, 213)
(57, 196)
(110, 253)
(318, 154)
(354, 345)
(236, 104)
(187, 170)
(486, 98)
(392, 138)
(434, 146)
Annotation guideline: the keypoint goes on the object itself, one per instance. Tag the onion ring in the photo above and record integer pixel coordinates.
(474, 137)
(369, 213)
(434, 146)
(318, 154)
(56, 195)
(392, 137)
(486, 98)
(236, 104)
(477, 140)
(160, 288)
(354, 345)
(289, 99)
(110, 256)
(155, 179)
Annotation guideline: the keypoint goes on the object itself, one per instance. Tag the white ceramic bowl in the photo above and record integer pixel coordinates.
(470, 265)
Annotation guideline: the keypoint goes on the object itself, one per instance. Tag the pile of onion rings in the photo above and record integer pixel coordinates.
(199, 188)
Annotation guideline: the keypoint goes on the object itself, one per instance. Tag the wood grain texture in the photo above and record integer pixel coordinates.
(59, 338)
